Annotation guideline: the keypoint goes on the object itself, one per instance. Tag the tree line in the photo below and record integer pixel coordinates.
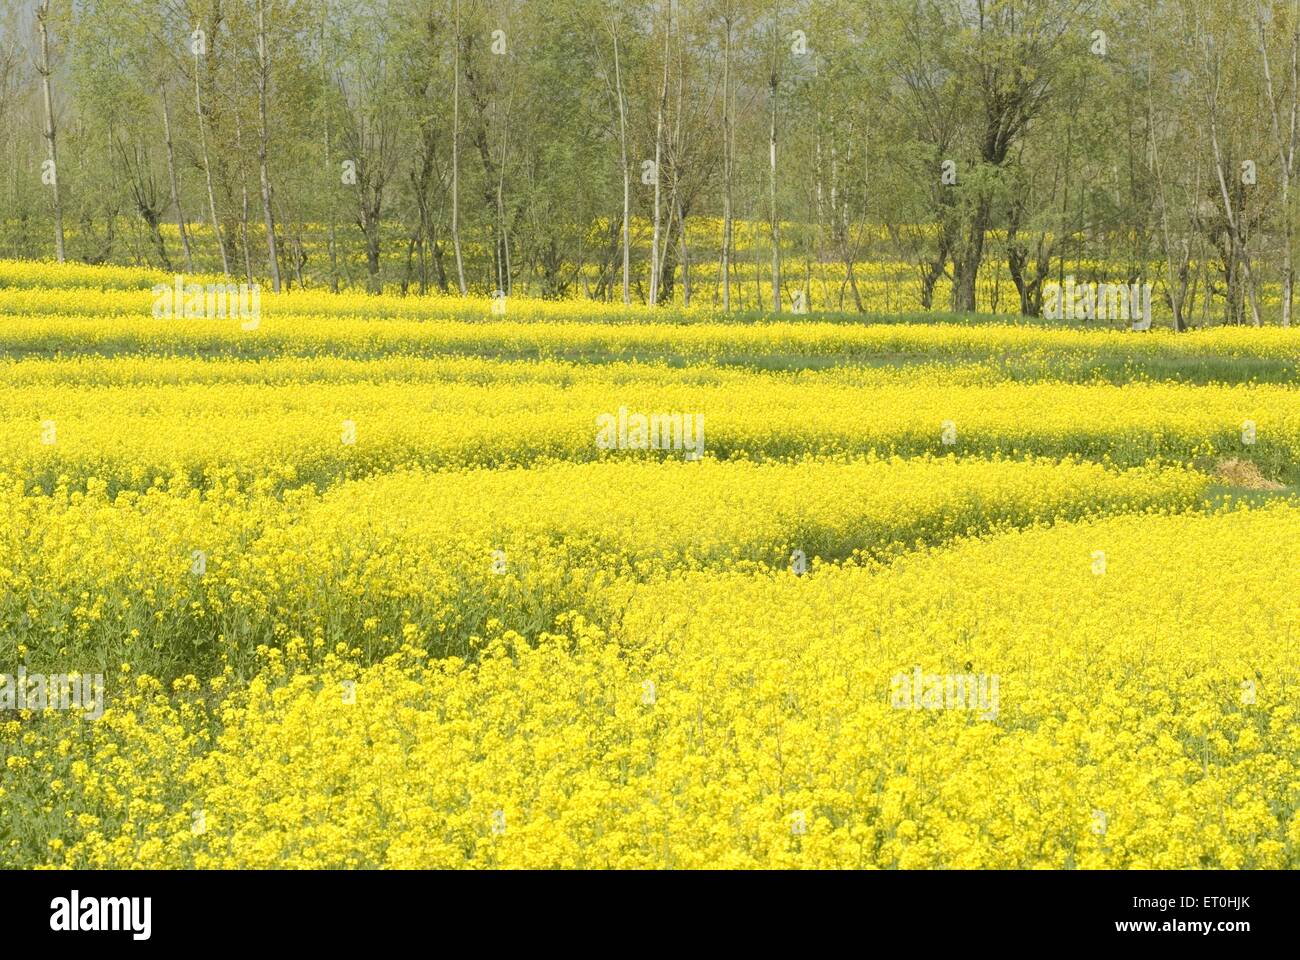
(660, 151)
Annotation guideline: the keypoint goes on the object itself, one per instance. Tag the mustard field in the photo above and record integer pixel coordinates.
(382, 581)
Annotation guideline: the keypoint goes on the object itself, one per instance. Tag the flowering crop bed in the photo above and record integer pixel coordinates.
(380, 581)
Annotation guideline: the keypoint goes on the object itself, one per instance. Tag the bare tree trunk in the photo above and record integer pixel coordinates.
(207, 172)
(726, 168)
(1176, 290)
(263, 70)
(1286, 154)
(333, 227)
(684, 256)
(455, 160)
(295, 254)
(659, 136)
(819, 209)
(1237, 246)
(175, 183)
(243, 190)
(683, 252)
(329, 161)
(627, 184)
(42, 15)
(504, 277)
(1237, 254)
(774, 220)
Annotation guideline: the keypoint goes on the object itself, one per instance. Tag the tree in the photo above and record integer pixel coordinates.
(51, 132)
(264, 175)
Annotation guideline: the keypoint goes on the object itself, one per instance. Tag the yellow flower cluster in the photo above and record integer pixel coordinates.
(881, 285)
(1144, 716)
(183, 581)
(366, 588)
(287, 426)
(40, 320)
